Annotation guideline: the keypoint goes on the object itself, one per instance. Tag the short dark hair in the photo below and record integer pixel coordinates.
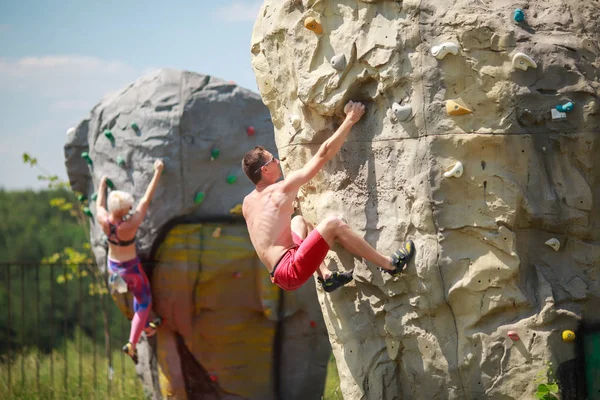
(253, 162)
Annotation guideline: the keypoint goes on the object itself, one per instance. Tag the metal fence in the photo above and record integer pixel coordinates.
(61, 334)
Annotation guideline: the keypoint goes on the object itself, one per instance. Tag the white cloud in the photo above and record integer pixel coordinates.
(240, 10)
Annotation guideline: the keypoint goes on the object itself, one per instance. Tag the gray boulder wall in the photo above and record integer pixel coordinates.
(227, 332)
(508, 241)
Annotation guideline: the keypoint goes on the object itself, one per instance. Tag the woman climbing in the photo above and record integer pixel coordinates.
(123, 263)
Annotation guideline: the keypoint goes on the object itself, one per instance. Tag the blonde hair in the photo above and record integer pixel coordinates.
(119, 202)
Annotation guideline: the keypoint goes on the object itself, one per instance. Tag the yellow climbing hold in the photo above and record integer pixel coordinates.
(568, 336)
(453, 107)
(237, 210)
(313, 25)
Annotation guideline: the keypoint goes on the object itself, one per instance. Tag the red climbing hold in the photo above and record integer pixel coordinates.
(313, 324)
(214, 378)
(237, 274)
(250, 131)
(513, 335)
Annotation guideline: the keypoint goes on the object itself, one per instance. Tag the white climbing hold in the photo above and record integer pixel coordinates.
(557, 114)
(70, 131)
(523, 61)
(402, 113)
(442, 50)
(338, 62)
(554, 243)
(456, 171)
(295, 121)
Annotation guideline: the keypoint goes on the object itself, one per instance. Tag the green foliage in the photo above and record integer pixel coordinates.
(99, 380)
(547, 387)
(332, 382)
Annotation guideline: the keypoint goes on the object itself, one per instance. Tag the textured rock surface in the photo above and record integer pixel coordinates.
(482, 268)
(220, 337)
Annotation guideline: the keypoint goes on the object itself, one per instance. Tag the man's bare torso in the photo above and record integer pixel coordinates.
(267, 212)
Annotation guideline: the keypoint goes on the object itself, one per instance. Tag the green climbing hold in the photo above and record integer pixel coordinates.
(135, 127)
(110, 183)
(199, 198)
(82, 197)
(214, 154)
(120, 161)
(94, 196)
(231, 179)
(85, 155)
(109, 135)
(87, 212)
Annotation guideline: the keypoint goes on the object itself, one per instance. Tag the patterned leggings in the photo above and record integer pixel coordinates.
(137, 282)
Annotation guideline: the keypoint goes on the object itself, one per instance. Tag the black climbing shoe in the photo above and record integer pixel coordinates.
(401, 258)
(128, 349)
(336, 280)
(152, 327)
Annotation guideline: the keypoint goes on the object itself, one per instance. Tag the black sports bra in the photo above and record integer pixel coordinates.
(114, 239)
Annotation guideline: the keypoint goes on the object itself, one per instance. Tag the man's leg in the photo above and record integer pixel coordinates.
(302, 228)
(334, 229)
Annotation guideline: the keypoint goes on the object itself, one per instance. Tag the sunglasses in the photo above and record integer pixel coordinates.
(265, 164)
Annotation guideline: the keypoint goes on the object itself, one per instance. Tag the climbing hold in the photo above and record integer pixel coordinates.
(313, 324)
(513, 335)
(237, 210)
(85, 155)
(455, 108)
(214, 154)
(295, 121)
(237, 275)
(519, 15)
(402, 113)
(455, 171)
(338, 62)
(94, 196)
(523, 61)
(87, 212)
(109, 135)
(554, 243)
(568, 335)
(135, 126)
(70, 131)
(231, 179)
(214, 378)
(110, 183)
(250, 131)
(120, 161)
(313, 25)
(557, 114)
(82, 197)
(442, 50)
(217, 232)
(199, 198)
(567, 107)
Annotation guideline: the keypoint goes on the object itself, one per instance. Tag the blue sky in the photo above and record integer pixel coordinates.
(58, 58)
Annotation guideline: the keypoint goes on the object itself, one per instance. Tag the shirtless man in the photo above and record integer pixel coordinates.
(293, 252)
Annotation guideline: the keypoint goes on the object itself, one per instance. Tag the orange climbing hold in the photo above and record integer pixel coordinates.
(313, 25)
(453, 107)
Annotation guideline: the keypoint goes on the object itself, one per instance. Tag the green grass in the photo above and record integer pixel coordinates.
(123, 385)
(332, 383)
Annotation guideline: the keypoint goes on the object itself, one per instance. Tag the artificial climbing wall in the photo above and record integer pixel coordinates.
(201, 127)
(480, 142)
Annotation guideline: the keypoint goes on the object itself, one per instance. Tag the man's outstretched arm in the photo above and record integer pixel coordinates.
(329, 148)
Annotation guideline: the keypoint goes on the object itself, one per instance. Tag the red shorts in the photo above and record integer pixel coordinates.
(298, 264)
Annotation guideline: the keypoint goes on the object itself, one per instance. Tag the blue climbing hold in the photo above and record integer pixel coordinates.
(567, 107)
(519, 15)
